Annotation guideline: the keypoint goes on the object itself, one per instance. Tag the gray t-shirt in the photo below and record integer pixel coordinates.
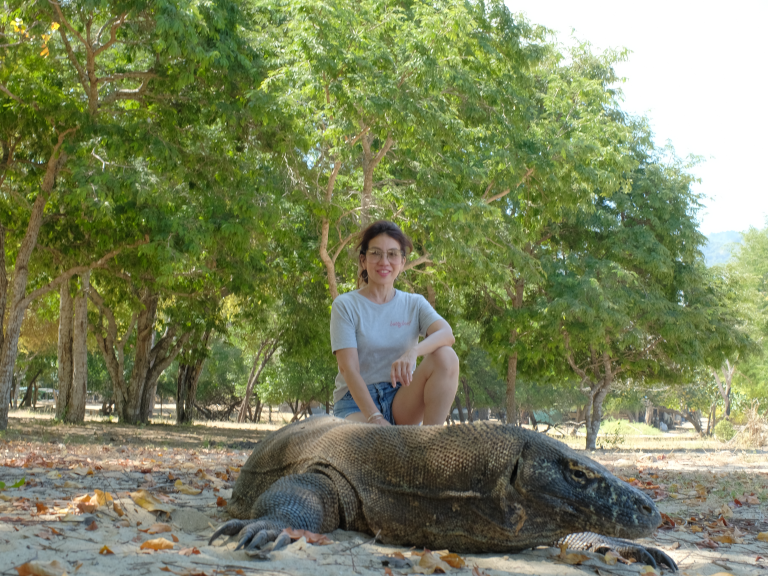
(380, 332)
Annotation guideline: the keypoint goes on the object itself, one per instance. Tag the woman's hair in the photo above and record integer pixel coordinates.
(376, 229)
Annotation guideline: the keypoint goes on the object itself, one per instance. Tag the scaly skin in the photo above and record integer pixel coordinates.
(473, 488)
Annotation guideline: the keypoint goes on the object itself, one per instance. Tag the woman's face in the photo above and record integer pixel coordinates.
(383, 261)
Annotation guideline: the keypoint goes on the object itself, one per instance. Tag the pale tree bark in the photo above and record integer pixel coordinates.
(135, 396)
(64, 355)
(603, 375)
(162, 355)
(186, 384)
(76, 411)
(516, 297)
(266, 350)
(73, 352)
(112, 348)
(18, 296)
(370, 161)
(724, 387)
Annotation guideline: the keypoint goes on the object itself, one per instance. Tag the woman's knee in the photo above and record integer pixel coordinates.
(446, 358)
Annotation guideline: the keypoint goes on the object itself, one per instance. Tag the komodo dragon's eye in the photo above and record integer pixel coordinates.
(578, 474)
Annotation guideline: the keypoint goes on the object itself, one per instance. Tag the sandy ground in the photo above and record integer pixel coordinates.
(40, 520)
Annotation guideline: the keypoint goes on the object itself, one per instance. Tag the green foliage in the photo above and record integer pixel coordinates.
(724, 431)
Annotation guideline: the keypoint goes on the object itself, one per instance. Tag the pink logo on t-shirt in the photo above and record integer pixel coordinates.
(400, 324)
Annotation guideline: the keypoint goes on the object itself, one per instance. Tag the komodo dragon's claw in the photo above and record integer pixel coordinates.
(601, 544)
(228, 529)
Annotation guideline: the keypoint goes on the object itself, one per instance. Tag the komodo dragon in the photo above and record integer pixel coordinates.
(480, 487)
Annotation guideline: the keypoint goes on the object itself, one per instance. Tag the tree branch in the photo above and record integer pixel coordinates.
(3, 88)
(73, 60)
(424, 259)
(65, 276)
(148, 74)
(112, 35)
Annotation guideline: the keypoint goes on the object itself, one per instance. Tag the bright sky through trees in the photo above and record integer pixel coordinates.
(697, 71)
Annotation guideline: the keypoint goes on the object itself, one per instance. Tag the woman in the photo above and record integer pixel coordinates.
(375, 336)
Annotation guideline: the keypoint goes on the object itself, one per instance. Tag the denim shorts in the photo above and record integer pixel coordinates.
(382, 394)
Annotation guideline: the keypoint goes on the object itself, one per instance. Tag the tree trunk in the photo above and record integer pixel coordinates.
(27, 401)
(65, 361)
(186, 384)
(725, 390)
(145, 335)
(75, 410)
(457, 401)
(511, 385)
(649, 412)
(517, 303)
(468, 399)
(19, 302)
(263, 356)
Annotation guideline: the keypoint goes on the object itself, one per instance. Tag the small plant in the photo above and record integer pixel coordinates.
(613, 440)
(724, 431)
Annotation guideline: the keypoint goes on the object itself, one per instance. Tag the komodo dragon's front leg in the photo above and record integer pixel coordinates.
(628, 549)
(308, 501)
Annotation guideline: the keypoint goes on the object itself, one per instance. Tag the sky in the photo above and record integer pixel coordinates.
(699, 72)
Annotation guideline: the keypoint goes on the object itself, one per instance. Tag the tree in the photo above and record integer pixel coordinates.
(110, 76)
(628, 291)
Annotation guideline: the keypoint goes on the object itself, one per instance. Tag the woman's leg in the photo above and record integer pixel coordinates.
(433, 388)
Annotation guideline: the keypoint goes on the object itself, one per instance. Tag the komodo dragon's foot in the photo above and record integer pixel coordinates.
(253, 534)
(628, 549)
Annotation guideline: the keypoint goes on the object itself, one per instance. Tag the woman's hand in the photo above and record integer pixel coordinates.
(379, 421)
(403, 367)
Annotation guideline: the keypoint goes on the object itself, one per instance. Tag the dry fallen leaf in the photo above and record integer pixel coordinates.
(725, 511)
(184, 489)
(570, 557)
(727, 539)
(220, 502)
(102, 498)
(477, 572)
(40, 568)
(453, 560)
(41, 508)
(174, 538)
(149, 502)
(157, 528)
(752, 500)
(92, 526)
(648, 570)
(312, 538)
(762, 536)
(86, 503)
(189, 551)
(723, 574)
(118, 510)
(388, 572)
(611, 557)
(429, 564)
(105, 550)
(156, 544)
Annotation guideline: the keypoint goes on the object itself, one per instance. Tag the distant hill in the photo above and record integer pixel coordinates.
(719, 245)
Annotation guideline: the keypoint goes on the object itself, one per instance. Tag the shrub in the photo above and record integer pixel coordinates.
(724, 431)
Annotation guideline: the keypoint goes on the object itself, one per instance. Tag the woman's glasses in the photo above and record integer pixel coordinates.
(392, 255)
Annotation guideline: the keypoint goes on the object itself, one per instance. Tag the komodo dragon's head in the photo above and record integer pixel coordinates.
(561, 490)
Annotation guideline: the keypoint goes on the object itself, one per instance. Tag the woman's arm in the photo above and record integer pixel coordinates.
(349, 366)
(439, 334)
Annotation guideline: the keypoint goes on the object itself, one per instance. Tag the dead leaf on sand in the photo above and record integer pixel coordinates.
(105, 550)
(184, 489)
(189, 551)
(40, 568)
(430, 563)
(157, 528)
(312, 538)
(570, 557)
(156, 544)
(150, 502)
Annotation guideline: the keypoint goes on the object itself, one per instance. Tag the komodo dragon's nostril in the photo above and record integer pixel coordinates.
(647, 510)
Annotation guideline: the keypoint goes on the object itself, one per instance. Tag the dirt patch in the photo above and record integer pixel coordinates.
(73, 483)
